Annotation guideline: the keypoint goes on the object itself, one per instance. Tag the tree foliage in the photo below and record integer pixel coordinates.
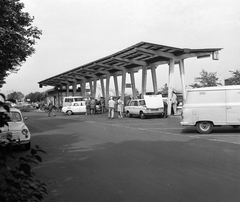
(17, 37)
(36, 97)
(17, 180)
(206, 79)
(235, 79)
(15, 96)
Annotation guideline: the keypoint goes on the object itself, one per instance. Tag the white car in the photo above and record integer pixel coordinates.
(150, 105)
(75, 107)
(16, 131)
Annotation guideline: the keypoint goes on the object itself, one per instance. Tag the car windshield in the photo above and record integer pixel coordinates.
(15, 116)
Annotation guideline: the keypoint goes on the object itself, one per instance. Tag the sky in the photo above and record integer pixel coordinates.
(77, 32)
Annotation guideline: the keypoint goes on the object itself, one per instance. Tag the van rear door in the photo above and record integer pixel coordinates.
(233, 106)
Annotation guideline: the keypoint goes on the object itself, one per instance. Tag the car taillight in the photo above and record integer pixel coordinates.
(9, 135)
(25, 132)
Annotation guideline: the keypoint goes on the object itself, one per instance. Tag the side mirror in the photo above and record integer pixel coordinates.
(25, 118)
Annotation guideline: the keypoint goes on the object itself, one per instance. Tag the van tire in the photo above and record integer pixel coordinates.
(69, 112)
(204, 127)
(142, 115)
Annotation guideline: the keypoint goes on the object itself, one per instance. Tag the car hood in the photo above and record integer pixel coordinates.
(153, 101)
(13, 126)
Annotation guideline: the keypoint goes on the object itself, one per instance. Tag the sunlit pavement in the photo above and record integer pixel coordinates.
(170, 125)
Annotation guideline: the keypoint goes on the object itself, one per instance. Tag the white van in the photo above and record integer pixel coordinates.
(212, 106)
(68, 100)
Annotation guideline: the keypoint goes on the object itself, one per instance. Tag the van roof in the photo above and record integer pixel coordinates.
(230, 87)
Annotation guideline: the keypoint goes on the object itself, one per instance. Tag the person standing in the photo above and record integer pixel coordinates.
(174, 103)
(92, 106)
(50, 109)
(111, 105)
(87, 103)
(120, 108)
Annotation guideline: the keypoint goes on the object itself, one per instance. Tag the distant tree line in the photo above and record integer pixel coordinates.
(207, 79)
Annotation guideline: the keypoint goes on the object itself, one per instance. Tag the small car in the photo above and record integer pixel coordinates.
(16, 133)
(151, 105)
(75, 107)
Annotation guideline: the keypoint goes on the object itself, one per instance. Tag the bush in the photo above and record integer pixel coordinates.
(17, 181)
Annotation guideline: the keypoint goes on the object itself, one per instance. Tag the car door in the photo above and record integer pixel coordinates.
(233, 106)
(75, 107)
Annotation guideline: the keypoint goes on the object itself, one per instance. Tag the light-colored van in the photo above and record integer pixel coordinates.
(68, 100)
(212, 106)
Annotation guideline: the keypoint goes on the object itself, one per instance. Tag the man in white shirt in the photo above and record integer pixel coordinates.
(111, 105)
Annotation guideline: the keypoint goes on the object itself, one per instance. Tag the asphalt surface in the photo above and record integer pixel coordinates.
(95, 159)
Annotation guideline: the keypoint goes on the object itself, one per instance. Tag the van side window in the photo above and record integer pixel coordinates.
(78, 99)
(68, 100)
(142, 102)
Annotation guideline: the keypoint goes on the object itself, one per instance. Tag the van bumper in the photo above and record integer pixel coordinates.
(184, 123)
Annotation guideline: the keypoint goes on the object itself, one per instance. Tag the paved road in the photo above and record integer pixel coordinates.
(96, 159)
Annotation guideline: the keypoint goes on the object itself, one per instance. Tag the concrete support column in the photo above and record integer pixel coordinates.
(94, 86)
(74, 87)
(154, 79)
(133, 84)
(83, 87)
(67, 89)
(116, 85)
(107, 87)
(144, 80)
(182, 76)
(124, 72)
(91, 88)
(103, 88)
(170, 84)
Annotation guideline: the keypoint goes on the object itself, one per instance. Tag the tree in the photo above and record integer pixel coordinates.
(206, 80)
(15, 96)
(36, 97)
(17, 37)
(235, 79)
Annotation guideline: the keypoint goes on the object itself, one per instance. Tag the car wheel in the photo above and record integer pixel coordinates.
(204, 127)
(128, 114)
(28, 146)
(69, 112)
(142, 115)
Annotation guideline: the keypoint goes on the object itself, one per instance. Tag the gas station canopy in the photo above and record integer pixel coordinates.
(131, 59)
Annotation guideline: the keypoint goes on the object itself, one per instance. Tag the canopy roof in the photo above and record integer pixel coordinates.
(131, 59)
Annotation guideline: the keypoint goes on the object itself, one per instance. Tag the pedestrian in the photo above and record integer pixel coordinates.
(92, 106)
(120, 108)
(174, 103)
(102, 104)
(87, 103)
(111, 105)
(50, 109)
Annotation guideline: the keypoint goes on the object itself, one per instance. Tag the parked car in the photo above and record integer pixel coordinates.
(16, 133)
(151, 105)
(75, 107)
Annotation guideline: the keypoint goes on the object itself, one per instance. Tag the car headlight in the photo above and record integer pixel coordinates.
(25, 132)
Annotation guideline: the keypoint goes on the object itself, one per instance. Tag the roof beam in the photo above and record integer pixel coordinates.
(140, 63)
(157, 53)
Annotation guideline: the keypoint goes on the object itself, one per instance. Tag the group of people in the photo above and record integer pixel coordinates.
(93, 105)
(111, 106)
